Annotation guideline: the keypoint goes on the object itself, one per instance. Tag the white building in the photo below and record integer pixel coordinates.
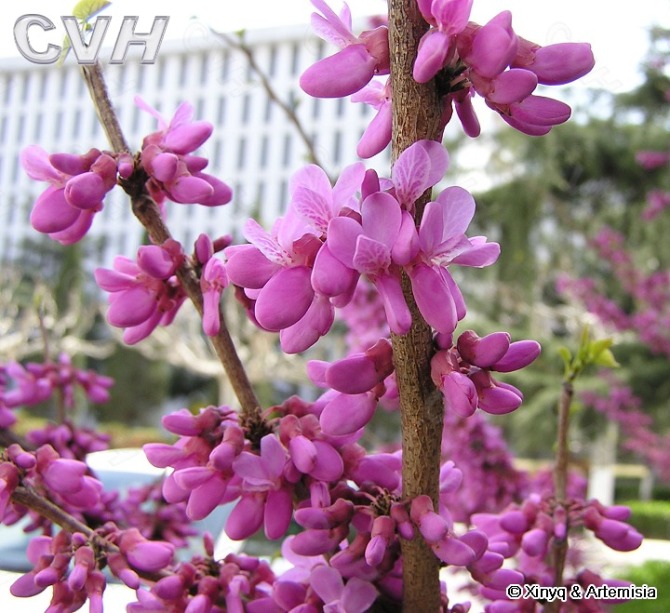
(254, 148)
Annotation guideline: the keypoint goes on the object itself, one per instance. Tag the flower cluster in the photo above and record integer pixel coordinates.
(145, 293)
(78, 184)
(530, 530)
(466, 58)
(34, 382)
(650, 316)
(167, 157)
(312, 260)
(463, 372)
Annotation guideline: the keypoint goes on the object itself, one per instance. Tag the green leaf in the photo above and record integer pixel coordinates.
(597, 347)
(564, 352)
(85, 9)
(606, 358)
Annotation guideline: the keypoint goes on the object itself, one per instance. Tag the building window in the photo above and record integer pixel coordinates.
(25, 91)
(218, 147)
(20, 128)
(161, 73)
(44, 82)
(265, 143)
(221, 111)
(200, 108)
(136, 119)
(337, 146)
(225, 66)
(3, 129)
(11, 209)
(288, 146)
(268, 110)
(272, 69)
(316, 108)
(8, 89)
(95, 125)
(295, 59)
(75, 123)
(183, 70)
(204, 68)
(246, 109)
(58, 125)
(38, 127)
(340, 107)
(140, 77)
(281, 193)
(241, 153)
(64, 73)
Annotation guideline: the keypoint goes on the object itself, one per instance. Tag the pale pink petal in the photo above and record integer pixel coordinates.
(341, 74)
(329, 275)
(347, 413)
(431, 55)
(358, 595)
(397, 312)
(247, 517)
(434, 298)
(51, 212)
(381, 218)
(480, 253)
(313, 325)
(327, 583)
(132, 307)
(278, 513)
(377, 135)
(329, 464)
(35, 162)
(284, 299)
(343, 233)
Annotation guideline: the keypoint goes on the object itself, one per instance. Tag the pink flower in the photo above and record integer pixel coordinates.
(267, 496)
(212, 282)
(356, 596)
(448, 18)
(359, 59)
(78, 185)
(442, 241)
(166, 157)
(145, 555)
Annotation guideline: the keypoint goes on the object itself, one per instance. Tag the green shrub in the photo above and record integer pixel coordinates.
(651, 518)
(654, 573)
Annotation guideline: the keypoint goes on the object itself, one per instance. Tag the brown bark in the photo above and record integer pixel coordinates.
(416, 116)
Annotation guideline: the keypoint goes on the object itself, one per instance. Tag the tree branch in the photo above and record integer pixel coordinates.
(560, 547)
(416, 115)
(146, 210)
(290, 113)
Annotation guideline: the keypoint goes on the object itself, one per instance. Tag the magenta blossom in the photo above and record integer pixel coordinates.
(166, 157)
(463, 372)
(441, 242)
(145, 293)
(350, 69)
(78, 185)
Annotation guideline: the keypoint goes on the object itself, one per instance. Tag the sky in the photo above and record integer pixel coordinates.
(618, 37)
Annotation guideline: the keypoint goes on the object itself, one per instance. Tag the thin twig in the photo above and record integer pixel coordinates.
(560, 546)
(28, 497)
(290, 113)
(146, 210)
